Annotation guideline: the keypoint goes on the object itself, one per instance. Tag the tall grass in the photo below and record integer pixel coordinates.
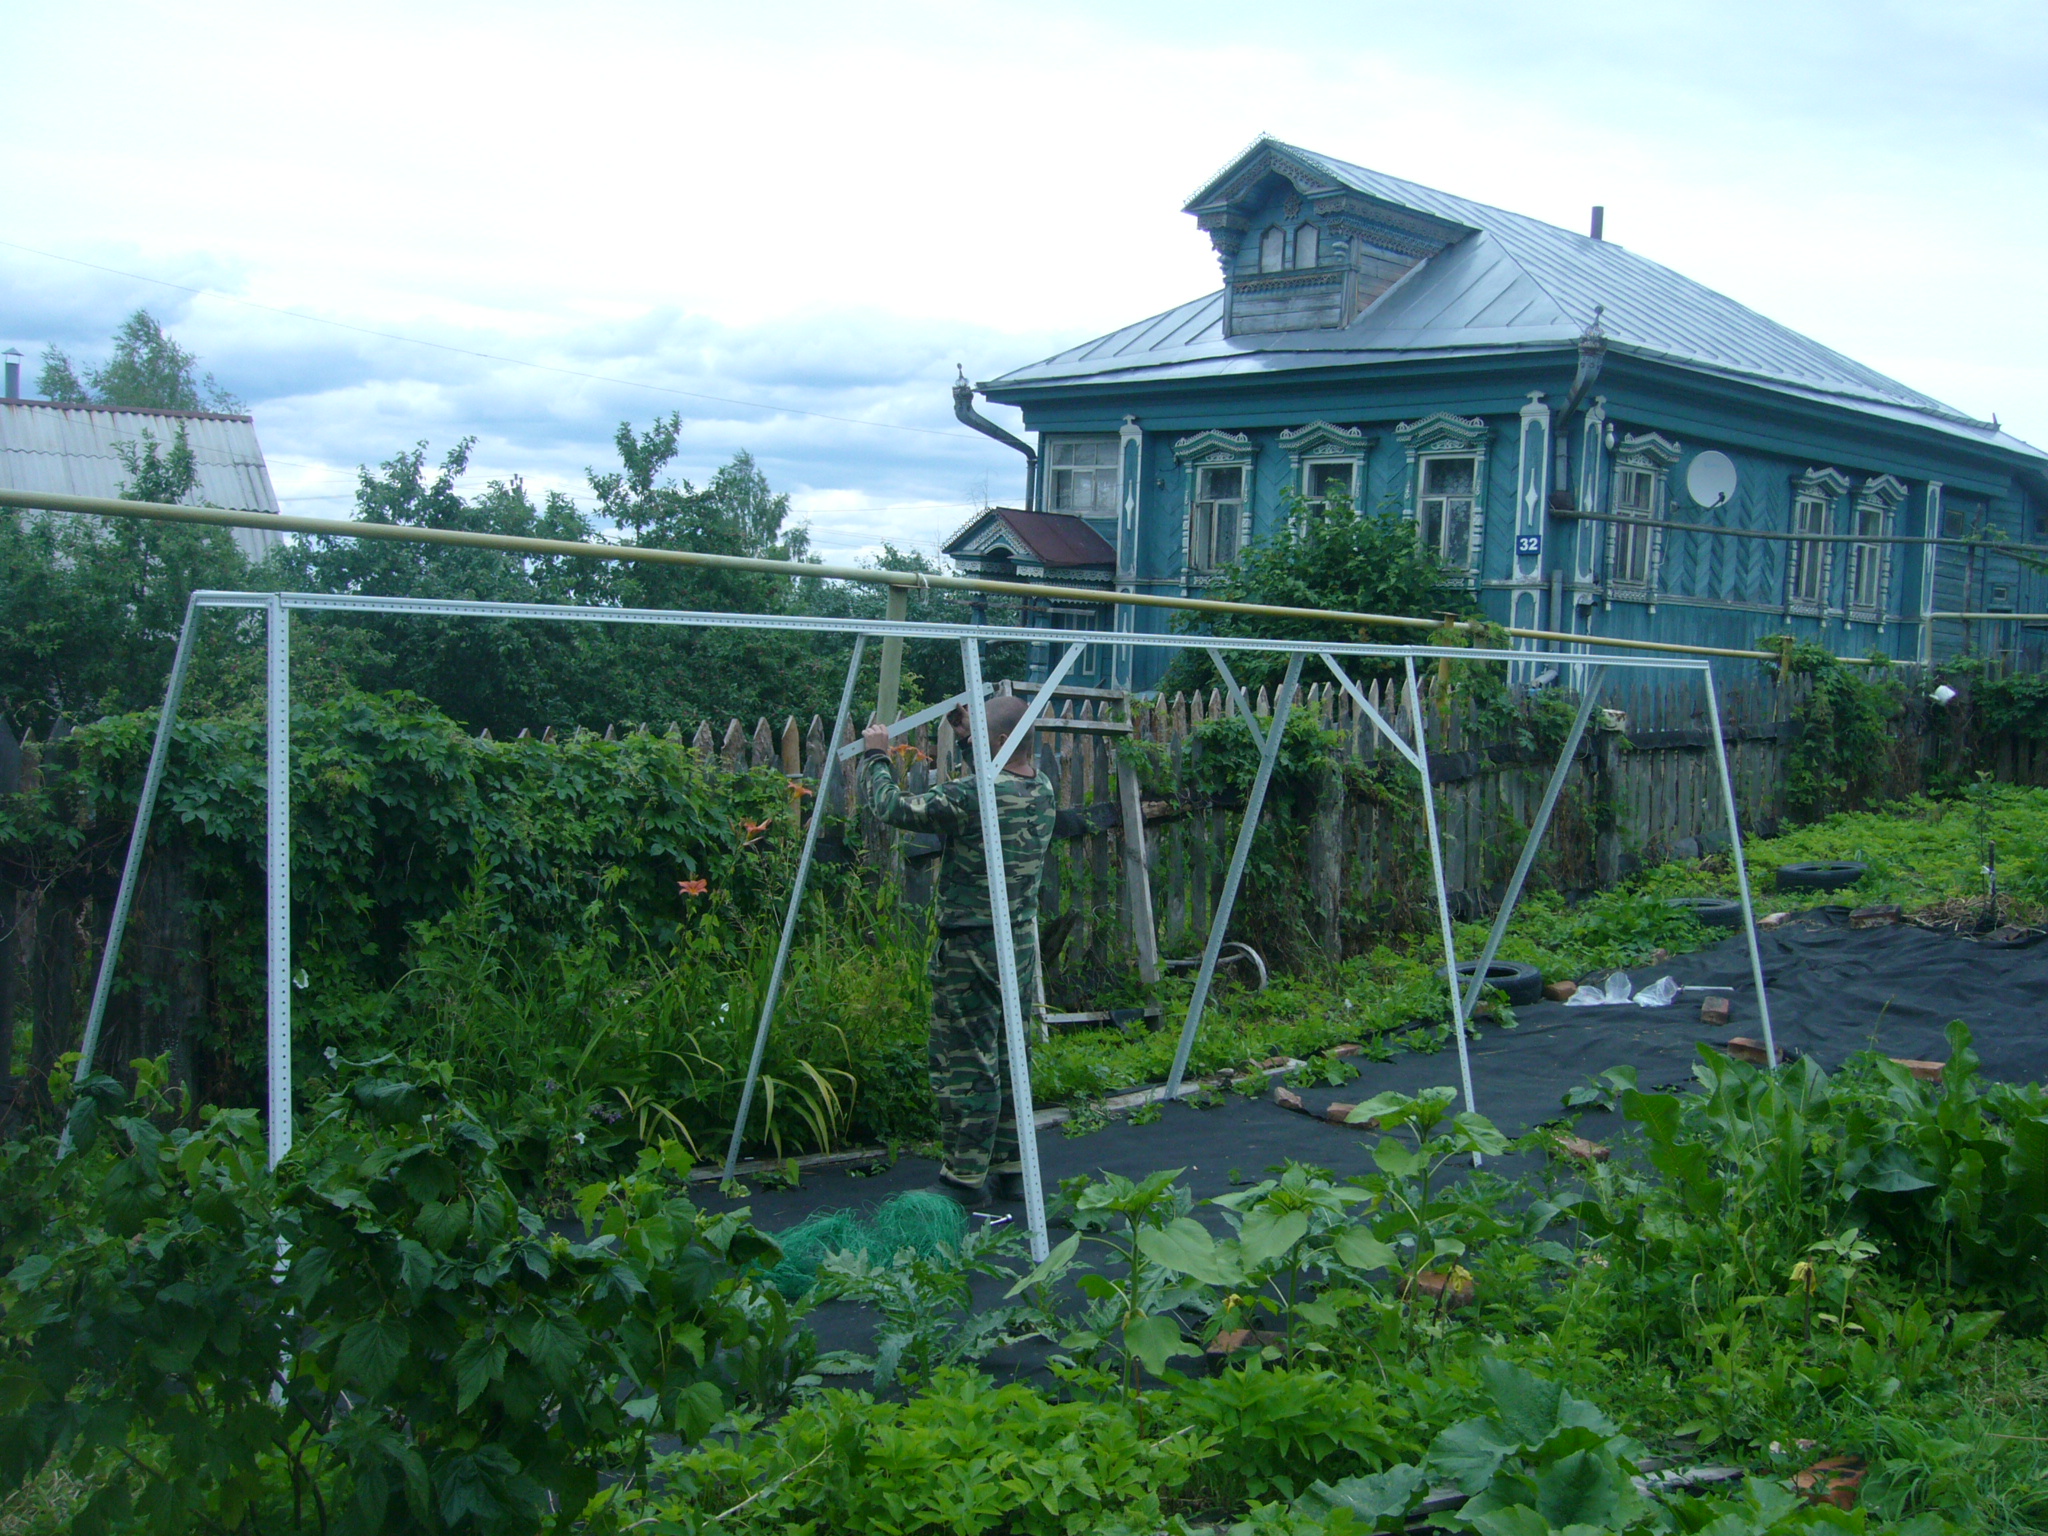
(655, 1039)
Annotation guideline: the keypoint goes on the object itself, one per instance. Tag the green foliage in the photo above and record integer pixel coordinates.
(1842, 757)
(929, 1320)
(2014, 705)
(155, 475)
(964, 1458)
(90, 608)
(1274, 1431)
(515, 909)
(1336, 556)
(146, 370)
(378, 1335)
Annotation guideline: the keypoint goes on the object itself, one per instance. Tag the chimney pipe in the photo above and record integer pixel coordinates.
(1599, 220)
(13, 373)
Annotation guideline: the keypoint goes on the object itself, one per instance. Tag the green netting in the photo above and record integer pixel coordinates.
(919, 1220)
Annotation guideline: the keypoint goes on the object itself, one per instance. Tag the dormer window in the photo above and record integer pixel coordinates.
(1273, 250)
(1307, 246)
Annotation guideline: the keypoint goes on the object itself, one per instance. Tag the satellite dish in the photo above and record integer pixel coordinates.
(1710, 478)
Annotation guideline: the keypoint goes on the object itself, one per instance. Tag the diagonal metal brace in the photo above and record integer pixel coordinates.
(1393, 737)
(1237, 697)
(1537, 828)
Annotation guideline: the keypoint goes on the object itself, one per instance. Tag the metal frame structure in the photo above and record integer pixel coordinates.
(278, 607)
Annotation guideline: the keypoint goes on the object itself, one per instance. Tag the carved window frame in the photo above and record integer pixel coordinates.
(1321, 443)
(1878, 501)
(1214, 449)
(1442, 435)
(1825, 489)
(1640, 453)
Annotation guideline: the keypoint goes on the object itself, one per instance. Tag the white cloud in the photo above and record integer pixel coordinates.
(825, 208)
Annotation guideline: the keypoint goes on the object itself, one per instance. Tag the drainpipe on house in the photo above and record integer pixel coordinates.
(1592, 353)
(963, 407)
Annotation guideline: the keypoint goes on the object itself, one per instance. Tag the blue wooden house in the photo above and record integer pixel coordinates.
(1496, 378)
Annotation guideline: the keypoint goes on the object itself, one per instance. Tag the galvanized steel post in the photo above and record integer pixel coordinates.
(796, 901)
(277, 876)
(1756, 963)
(1270, 751)
(138, 838)
(1536, 830)
(1006, 951)
(1436, 869)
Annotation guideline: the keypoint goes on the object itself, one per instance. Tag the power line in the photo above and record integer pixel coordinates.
(492, 357)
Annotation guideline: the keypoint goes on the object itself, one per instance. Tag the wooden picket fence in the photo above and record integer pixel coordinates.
(1643, 788)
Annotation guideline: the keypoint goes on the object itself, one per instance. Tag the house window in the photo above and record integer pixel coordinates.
(1445, 512)
(1809, 515)
(1864, 586)
(1306, 246)
(1084, 475)
(1215, 529)
(1635, 498)
(1273, 249)
(1321, 481)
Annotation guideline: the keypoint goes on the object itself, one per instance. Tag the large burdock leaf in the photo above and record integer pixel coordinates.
(1380, 1499)
(1584, 1488)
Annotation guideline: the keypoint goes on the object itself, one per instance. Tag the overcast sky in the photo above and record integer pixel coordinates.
(823, 208)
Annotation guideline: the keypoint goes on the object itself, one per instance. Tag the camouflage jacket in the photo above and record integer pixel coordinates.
(1024, 809)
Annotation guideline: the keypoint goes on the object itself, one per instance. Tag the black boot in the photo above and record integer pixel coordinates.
(1008, 1184)
(969, 1197)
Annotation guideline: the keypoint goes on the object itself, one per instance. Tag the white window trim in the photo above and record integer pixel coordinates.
(1444, 435)
(1827, 487)
(1654, 454)
(1882, 495)
(1214, 449)
(1322, 443)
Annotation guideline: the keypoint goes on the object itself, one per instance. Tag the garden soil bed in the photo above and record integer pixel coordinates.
(1834, 990)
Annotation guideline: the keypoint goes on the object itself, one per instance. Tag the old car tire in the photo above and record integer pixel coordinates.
(1828, 875)
(1523, 984)
(1714, 911)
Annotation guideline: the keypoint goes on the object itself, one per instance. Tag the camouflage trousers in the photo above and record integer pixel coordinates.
(970, 1065)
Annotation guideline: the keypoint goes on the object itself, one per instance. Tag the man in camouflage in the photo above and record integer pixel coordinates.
(969, 1069)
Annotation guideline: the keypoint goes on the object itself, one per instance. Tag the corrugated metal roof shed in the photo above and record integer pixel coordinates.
(70, 449)
(1512, 283)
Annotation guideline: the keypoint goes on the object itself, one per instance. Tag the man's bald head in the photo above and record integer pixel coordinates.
(1004, 711)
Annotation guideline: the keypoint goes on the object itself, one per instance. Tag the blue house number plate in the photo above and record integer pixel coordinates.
(1528, 543)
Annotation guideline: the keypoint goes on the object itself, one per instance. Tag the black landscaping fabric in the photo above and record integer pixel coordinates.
(1833, 990)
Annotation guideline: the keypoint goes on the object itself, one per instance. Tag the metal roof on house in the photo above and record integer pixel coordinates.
(46, 445)
(1511, 283)
(1053, 538)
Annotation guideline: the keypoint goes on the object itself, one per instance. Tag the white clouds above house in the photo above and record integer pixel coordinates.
(824, 208)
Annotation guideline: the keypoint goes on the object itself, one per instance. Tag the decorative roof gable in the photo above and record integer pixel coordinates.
(1300, 249)
(1051, 540)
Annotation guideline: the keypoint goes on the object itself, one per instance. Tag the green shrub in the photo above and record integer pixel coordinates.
(962, 1458)
(377, 1338)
